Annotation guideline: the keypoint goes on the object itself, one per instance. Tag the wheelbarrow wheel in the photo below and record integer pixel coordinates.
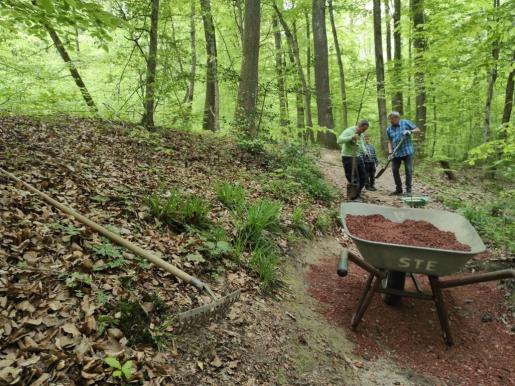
(393, 280)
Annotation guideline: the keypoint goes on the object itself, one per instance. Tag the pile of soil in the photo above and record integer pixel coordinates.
(410, 334)
(415, 233)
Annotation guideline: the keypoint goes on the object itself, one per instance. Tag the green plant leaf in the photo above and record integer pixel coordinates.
(113, 362)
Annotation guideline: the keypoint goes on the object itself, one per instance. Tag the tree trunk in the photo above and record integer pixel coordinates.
(190, 91)
(508, 97)
(239, 18)
(492, 77)
(211, 105)
(381, 99)
(397, 82)
(340, 65)
(388, 22)
(280, 72)
(71, 67)
(419, 44)
(323, 93)
(245, 115)
(149, 102)
(295, 56)
(309, 119)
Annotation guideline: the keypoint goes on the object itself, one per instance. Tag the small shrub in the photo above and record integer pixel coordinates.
(109, 251)
(134, 322)
(264, 262)
(261, 216)
(284, 188)
(232, 196)
(323, 223)
(252, 146)
(178, 210)
(124, 371)
(299, 223)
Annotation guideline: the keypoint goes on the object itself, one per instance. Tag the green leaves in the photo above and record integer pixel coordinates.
(124, 371)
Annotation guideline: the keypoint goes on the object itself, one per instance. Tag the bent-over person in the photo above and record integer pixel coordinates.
(353, 145)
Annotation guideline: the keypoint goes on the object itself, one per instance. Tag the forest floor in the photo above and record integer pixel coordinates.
(58, 293)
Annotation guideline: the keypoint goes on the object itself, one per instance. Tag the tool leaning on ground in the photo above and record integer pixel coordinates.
(390, 157)
(201, 314)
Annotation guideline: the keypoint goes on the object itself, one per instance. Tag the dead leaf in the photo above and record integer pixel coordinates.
(26, 306)
(30, 257)
(55, 305)
(40, 380)
(71, 329)
(9, 374)
(216, 362)
(30, 361)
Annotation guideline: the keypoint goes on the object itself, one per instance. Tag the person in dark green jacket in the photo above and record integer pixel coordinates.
(352, 142)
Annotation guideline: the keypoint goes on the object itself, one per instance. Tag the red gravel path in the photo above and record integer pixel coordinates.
(483, 353)
(417, 233)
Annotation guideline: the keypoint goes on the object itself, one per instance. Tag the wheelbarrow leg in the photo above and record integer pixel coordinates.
(365, 300)
(441, 310)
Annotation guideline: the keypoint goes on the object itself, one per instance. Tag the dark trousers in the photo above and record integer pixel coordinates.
(408, 168)
(370, 171)
(360, 171)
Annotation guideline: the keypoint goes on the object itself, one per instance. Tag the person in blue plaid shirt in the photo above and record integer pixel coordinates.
(398, 129)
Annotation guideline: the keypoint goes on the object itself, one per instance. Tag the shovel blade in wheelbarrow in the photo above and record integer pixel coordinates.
(407, 258)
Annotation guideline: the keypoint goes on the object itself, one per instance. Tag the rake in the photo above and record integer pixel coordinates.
(199, 315)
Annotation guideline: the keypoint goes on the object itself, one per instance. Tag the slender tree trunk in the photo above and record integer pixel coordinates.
(397, 83)
(190, 91)
(419, 44)
(294, 54)
(435, 127)
(508, 97)
(343, 89)
(388, 22)
(149, 102)
(71, 67)
(245, 114)
(309, 119)
(211, 105)
(77, 44)
(492, 77)
(381, 99)
(239, 18)
(323, 92)
(280, 72)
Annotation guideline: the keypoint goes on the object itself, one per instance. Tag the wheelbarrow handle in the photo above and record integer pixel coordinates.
(343, 263)
(348, 255)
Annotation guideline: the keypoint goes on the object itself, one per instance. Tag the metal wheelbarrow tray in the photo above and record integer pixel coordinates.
(381, 259)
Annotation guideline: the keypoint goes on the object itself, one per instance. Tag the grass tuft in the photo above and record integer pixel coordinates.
(179, 210)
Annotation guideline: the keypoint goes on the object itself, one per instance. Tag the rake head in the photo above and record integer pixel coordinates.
(206, 313)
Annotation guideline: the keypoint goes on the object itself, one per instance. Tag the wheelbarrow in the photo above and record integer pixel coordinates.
(388, 264)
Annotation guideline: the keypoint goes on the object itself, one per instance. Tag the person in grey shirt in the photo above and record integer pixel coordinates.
(370, 160)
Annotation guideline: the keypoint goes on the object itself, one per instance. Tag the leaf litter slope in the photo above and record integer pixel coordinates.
(59, 299)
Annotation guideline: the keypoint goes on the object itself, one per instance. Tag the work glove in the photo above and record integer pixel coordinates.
(390, 156)
(406, 132)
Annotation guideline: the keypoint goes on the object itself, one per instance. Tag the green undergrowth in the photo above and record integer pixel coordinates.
(179, 210)
(489, 209)
(293, 170)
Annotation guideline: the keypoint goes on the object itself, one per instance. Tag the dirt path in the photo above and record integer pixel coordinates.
(331, 165)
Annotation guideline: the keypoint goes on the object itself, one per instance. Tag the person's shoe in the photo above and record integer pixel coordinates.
(396, 193)
(372, 188)
(407, 194)
(369, 188)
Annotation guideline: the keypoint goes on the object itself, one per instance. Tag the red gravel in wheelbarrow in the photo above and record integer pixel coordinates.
(410, 232)
(484, 349)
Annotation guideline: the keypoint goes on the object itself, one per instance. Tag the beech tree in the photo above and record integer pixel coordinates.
(248, 88)
(323, 93)
(212, 101)
(381, 96)
(149, 101)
